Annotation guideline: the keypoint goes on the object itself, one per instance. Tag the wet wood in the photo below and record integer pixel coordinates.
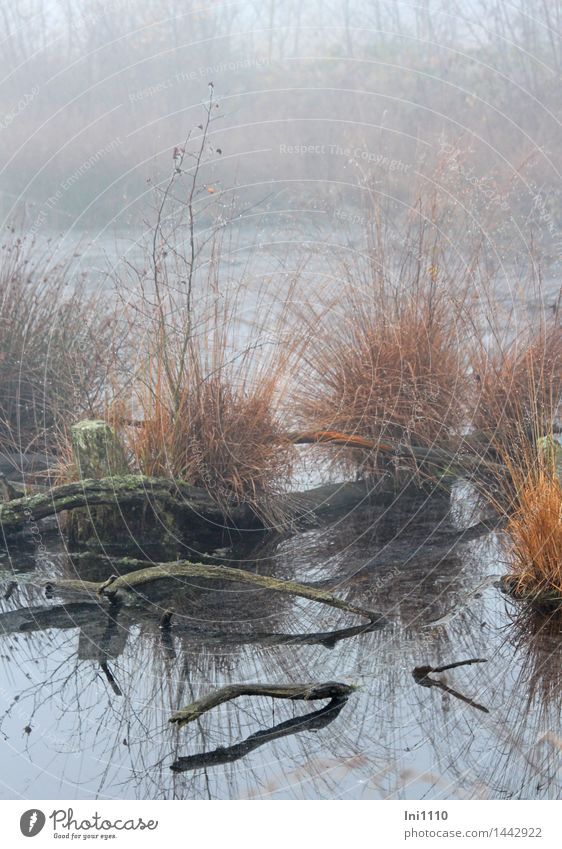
(141, 578)
(422, 676)
(190, 504)
(293, 692)
(464, 456)
(95, 611)
(223, 755)
(126, 489)
(97, 451)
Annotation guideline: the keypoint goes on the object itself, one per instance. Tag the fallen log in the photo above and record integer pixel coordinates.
(125, 489)
(293, 692)
(111, 503)
(467, 455)
(134, 581)
(189, 503)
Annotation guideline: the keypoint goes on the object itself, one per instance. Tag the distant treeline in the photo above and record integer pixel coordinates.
(318, 102)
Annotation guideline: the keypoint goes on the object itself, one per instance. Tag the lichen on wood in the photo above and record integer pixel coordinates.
(97, 450)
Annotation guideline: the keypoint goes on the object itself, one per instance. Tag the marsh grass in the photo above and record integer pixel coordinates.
(534, 534)
(222, 426)
(519, 392)
(57, 346)
(386, 360)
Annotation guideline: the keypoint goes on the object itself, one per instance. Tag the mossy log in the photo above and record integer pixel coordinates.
(135, 581)
(125, 489)
(112, 505)
(188, 504)
(293, 692)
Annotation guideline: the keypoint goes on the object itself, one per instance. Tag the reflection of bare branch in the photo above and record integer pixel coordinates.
(111, 680)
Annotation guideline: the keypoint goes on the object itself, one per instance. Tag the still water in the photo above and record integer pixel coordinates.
(87, 691)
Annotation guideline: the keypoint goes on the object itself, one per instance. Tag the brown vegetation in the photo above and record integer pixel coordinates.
(385, 360)
(57, 345)
(534, 533)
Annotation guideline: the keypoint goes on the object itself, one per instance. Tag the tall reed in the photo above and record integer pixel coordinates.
(57, 346)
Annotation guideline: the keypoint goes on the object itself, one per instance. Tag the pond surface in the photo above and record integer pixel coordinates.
(87, 690)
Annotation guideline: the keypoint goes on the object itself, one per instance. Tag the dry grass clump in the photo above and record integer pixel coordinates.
(534, 533)
(518, 390)
(385, 361)
(220, 427)
(224, 436)
(56, 347)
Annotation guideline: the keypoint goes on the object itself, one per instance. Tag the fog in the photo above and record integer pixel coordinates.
(323, 108)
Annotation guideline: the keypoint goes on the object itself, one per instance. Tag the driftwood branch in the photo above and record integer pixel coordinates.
(184, 569)
(467, 455)
(422, 676)
(223, 755)
(293, 692)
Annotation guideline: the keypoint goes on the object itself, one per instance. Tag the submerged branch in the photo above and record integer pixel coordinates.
(185, 569)
(309, 722)
(299, 692)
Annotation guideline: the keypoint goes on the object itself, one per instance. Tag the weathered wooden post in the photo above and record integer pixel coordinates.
(98, 454)
(97, 450)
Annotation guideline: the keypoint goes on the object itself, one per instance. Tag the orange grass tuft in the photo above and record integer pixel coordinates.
(222, 427)
(534, 531)
(386, 368)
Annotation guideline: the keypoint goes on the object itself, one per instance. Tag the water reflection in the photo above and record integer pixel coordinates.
(96, 683)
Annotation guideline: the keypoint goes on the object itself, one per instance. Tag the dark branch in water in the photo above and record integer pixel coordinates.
(309, 722)
(110, 678)
(421, 676)
(87, 613)
(293, 692)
